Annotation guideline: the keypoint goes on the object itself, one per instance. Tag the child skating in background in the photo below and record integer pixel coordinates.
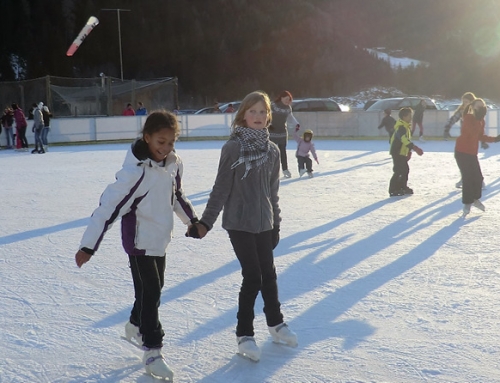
(145, 195)
(401, 147)
(388, 123)
(304, 146)
(246, 188)
(466, 149)
(457, 115)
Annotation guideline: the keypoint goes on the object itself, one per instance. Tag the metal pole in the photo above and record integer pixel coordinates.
(119, 35)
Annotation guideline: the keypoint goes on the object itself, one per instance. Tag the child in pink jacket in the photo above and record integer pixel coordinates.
(304, 146)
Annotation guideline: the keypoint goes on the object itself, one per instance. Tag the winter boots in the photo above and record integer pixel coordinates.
(287, 174)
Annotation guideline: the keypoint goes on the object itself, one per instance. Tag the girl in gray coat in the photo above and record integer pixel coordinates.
(246, 187)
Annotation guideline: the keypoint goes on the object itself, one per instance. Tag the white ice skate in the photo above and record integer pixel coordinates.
(458, 185)
(132, 334)
(478, 204)
(302, 172)
(282, 334)
(287, 173)
(310, 174)
(421, 139)
(466, 209)
(248, 348)
(155, 364)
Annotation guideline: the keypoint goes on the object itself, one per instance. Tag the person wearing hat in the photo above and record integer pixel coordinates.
(304, 146)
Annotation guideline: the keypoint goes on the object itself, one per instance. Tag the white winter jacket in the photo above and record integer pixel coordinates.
(145, 195)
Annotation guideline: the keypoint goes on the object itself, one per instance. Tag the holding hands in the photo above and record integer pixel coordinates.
(196, 230)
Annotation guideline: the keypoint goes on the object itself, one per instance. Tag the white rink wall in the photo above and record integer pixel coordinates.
(355, 124)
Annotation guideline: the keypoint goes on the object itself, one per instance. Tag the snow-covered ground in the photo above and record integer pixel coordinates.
(378, 289)
(396, 62)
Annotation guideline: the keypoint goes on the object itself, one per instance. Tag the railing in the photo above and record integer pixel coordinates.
(355, 124)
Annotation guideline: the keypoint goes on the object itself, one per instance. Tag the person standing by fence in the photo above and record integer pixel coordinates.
(46, 127)
(21, 125)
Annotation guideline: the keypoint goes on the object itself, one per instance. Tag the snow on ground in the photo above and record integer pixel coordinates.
(378, 289)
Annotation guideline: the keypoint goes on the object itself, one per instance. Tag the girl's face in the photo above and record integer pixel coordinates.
(286, 100)
(160, 143)
(256, 116)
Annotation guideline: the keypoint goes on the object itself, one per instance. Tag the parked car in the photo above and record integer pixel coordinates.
(370, 103)
(186, 111)
(207, 110)
(396, 103)
(315, 105)
(236, 105)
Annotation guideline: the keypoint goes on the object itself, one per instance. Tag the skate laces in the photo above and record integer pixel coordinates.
(243, 339)
(152, 358)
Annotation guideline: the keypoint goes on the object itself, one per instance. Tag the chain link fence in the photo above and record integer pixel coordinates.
(99, 96)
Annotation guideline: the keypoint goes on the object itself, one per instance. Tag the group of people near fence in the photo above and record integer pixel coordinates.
(14, 125)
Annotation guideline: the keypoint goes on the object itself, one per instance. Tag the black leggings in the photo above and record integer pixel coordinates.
(22, 137)
(148, 275)
(472, 177)
(284, 159)
(255, 253)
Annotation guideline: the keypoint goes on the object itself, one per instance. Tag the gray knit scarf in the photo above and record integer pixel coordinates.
(254, 147)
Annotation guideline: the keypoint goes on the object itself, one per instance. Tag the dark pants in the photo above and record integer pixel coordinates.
(284, 159)
(401, 170)
(255, 253)
(21, 137)
(414, 125)
(305, 162)
(148, 275)
(472, 177)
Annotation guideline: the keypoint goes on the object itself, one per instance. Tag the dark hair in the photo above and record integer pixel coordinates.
(14, 106)
(403, 112)
(387, 111)
(160, 119)
(285, 93)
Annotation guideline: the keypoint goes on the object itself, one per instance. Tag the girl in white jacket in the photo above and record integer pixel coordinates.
(146, 193)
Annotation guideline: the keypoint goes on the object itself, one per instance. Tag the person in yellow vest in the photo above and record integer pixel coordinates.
(401, 148)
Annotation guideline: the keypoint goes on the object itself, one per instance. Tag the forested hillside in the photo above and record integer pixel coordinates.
(225, 48)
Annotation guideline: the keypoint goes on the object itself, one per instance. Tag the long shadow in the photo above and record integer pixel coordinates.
(43, 231)
(347, 257)
(323, 314)
(320, 173)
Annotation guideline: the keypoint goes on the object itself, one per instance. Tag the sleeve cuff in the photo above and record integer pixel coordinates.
(87, 250)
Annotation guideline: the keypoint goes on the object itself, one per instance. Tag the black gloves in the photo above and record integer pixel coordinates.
(276, 236)
(484, 145)
(193, 231)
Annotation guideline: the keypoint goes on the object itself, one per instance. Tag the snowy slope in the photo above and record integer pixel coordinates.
(378, 289)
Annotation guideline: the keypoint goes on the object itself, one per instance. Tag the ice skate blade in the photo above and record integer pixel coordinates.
(132, 342)
(166, 379)
(252, 358)
(283, 343)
